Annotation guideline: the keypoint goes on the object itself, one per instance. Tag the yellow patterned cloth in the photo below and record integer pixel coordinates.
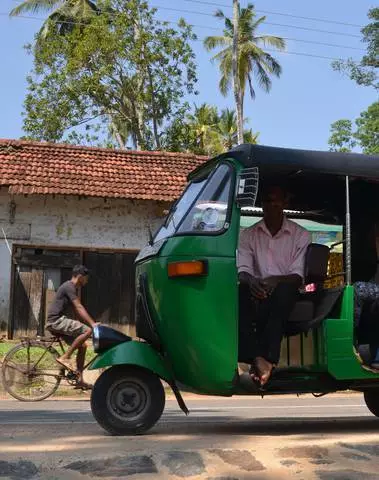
(335, 266)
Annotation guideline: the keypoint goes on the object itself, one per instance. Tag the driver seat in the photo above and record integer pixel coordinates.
(312, 307)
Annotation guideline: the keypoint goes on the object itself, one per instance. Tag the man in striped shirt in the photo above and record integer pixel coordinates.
(270, 263)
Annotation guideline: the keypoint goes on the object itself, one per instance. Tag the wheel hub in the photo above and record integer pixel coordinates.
(128, 399)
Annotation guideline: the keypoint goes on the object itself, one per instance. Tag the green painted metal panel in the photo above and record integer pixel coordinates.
(339, 341)
(134, 353)
(196, 321)
(196, 316)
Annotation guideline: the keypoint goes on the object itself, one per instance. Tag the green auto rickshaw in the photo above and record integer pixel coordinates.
(187, 292)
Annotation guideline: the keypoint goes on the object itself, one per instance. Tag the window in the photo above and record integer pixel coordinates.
(179, 209)
(202, 208)
(209, 212)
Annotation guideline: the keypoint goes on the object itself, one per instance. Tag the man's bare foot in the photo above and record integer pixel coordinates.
(263, 370)
(254, 373)
(67, 363)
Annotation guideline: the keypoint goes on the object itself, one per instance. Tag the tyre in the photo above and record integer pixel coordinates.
(372, 401)
(127, 400)
(30, 373)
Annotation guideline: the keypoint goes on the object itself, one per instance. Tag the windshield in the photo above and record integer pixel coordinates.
(179, 209)
(202, 208)
(209, 212)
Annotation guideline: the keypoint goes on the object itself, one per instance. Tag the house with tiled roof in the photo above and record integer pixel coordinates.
(61, 205)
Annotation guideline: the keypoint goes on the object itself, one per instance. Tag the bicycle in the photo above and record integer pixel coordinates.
(30, 373)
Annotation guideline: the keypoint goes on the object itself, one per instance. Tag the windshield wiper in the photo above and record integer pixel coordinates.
(151, 238)
(171, 214)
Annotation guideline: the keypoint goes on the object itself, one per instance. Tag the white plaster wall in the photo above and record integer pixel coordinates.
(70, 221)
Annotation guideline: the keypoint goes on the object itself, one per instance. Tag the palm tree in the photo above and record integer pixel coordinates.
(254, 64)
(226, 129)
(202, 124)
(64, 14)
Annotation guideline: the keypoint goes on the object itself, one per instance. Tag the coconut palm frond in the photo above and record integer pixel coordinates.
(251, 86)
(226, 68)
(250, 137)
(216, 41)
(258, 22)
(219, 14)
(244, 68)
(262, 76)
(63, 19)
(225, 85)
(272, 41)
(219, 57)
(34, 6)
(271, 64)
(228, 27)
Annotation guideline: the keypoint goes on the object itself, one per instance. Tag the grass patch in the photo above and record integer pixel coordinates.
(6, 346)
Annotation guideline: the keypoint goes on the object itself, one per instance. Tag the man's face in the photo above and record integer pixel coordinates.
(83, 280)
(274, 202)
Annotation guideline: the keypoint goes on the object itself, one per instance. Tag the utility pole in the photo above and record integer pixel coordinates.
(236, 81)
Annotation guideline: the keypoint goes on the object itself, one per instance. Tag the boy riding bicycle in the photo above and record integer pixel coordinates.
(73, 332)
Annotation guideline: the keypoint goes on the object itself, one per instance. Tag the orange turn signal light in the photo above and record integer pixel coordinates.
(187, 269)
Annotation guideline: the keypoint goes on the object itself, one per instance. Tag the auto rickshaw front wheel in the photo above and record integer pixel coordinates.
(127, 400)
(372, 401)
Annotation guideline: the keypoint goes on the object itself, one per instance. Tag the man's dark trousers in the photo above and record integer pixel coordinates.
(262, 322)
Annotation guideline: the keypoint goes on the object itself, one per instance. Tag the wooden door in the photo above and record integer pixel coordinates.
(109, 295)
(28, 301)
(37, 275)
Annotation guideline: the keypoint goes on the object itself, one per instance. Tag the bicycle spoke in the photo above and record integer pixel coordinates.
(17, 367)
(28, 357)
(30, 371)
(29, 383)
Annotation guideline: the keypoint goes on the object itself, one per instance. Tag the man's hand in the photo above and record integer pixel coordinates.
(256, 285)
(270, 283)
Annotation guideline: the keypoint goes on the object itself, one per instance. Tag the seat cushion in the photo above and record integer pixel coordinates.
(303, 311)
(310, 312)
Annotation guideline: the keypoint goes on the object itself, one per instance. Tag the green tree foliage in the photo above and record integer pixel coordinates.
(365, 71)
(366, 134)
(205, 131)
(344, 137)
(124, 72)
(226, 129)
(341, 136)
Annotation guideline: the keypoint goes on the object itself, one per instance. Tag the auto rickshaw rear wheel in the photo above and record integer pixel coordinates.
(127, 400)
(372, 401)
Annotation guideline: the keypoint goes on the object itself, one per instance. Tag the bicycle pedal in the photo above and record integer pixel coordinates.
(72, 375)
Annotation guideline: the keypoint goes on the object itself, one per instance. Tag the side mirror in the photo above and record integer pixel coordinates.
(247, 187)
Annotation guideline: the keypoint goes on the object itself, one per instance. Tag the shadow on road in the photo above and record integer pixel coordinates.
(178, 424)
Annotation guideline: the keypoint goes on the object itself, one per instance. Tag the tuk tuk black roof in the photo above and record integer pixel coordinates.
(290, 161)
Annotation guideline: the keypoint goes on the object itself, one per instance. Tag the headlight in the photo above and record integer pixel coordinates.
(96, 339)
(104, 337)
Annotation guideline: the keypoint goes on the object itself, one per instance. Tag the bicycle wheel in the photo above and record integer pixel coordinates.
(30, 373)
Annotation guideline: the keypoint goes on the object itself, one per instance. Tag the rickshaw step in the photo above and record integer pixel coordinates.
(285, 382)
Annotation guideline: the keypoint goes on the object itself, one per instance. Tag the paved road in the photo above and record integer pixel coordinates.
(333, 437)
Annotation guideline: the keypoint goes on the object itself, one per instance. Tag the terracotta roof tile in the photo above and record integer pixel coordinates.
(47, 168)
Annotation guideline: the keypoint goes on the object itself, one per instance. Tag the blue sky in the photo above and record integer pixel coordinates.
(303, 102)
